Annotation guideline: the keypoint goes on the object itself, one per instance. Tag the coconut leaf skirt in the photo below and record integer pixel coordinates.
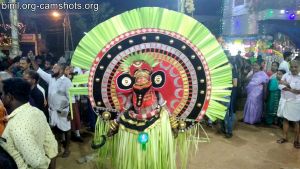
(124, 150)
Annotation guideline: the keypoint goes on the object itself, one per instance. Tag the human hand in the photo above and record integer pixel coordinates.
(31, 57)
(295, 91)
(111, 132)
(284, 83)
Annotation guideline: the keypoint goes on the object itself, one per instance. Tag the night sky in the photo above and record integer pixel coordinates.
(51, 30)
(203, 7)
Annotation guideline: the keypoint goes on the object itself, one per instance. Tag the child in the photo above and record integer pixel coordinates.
(273, 97)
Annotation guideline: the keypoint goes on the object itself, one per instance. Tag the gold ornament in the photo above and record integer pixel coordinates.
(182, 125)
(113, 125)
(106, 115)
(173, 122)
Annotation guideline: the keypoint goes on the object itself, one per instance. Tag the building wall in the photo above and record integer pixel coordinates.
(237, 21)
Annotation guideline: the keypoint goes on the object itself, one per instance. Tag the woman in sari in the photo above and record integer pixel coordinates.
(255, 95)
(273, 97)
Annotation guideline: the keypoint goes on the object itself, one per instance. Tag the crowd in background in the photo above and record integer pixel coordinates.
(272, 96)
(49, 80)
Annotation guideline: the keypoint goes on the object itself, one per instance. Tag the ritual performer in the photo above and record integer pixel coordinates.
(152, 78)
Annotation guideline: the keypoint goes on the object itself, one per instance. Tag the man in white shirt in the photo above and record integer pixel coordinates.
(58, 101)
(284, 65)
(290, 100)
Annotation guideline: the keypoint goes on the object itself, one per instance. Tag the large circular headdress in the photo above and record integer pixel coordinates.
(195, 71)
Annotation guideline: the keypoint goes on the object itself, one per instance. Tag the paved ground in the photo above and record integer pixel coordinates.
(251, 147)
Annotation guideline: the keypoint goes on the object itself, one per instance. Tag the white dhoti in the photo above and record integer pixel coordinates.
(281, 107)
(291, 110)
(60, 119)
(289, 104)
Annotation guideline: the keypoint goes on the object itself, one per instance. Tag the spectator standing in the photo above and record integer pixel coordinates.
(24, 66)
(15, 66)
(273, 97)
(284, 65)
(290, 85)
(29, 139)
(4, 72)
(48, 69)
(75, 123)
(256, 90)
(228, 122)
(274, 69)
(58, 102)
(36, 96)
(48, 66)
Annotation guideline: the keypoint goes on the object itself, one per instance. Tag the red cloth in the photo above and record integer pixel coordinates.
(75, 123)
(2, 118)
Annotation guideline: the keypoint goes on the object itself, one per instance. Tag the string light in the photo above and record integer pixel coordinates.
(7, 27)
(262, 29)
(292, 16)
(222, 22)
(284, 14)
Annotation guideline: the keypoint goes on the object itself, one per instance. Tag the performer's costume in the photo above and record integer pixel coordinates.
(154, 74)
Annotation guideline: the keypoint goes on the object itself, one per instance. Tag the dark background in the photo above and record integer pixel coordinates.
(51, 28)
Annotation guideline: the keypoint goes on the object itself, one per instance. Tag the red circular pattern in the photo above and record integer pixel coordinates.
(150, 30)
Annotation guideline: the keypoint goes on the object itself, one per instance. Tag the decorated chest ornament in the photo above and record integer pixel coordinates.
(154, 75)
(140, 84)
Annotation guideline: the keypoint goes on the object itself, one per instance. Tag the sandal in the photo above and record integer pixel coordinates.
(282, 140)
(297, 144)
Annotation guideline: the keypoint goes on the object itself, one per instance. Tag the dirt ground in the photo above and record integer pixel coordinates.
(251, 147)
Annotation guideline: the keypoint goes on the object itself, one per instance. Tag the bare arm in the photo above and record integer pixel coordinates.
(33, 63)
(43, 74)
(295, 91)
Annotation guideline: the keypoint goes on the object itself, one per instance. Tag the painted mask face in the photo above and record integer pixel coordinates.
(142, 77)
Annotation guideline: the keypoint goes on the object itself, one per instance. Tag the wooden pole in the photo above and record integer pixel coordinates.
(13, 15)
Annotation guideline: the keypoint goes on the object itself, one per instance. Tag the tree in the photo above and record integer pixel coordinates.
(84, 23)
(105, 11)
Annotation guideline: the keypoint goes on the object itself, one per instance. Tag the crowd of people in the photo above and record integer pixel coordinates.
(273, 97)
(35, 121)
